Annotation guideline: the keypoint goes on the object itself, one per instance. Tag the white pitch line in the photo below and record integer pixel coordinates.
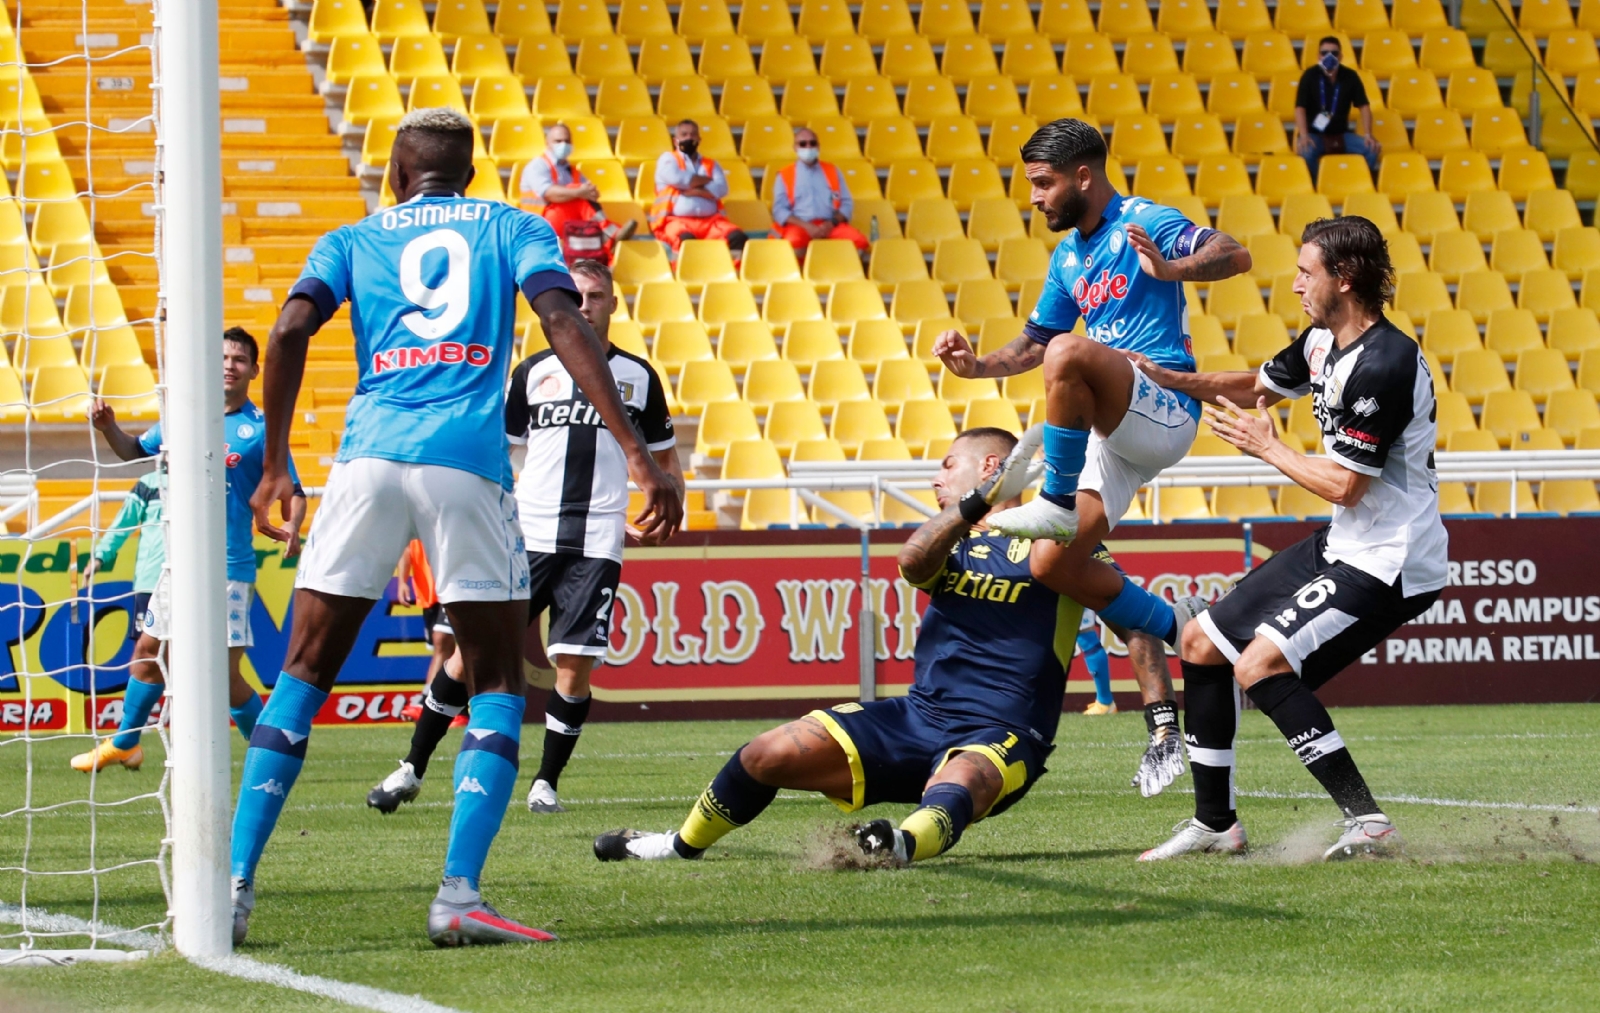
(235, 966)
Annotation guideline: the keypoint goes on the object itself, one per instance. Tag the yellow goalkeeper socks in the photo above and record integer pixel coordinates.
(937, 826)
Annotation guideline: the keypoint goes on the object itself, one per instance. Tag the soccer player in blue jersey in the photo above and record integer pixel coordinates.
(1110, 429)
(973, 734)
(431, 284)
(244, 428)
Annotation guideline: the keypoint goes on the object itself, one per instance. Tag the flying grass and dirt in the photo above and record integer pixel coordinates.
(1492, 907)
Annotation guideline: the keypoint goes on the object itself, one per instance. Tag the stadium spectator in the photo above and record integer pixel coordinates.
(811, 199)
(1328, 91)
(689, 193)
(556, 190)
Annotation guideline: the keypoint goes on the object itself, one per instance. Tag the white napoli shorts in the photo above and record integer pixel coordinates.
(372, 508)
(157, 618)
(1155, 434)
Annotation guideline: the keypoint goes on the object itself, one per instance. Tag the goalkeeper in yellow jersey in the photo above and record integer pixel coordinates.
(973, 734)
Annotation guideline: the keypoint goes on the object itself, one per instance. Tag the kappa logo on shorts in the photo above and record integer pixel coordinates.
(479, 585)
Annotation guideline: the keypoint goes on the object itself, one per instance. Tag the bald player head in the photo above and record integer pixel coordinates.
(432, 154)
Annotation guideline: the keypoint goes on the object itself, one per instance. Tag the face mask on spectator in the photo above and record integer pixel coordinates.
(1329, 62)
(689, 147)
(560, 150)
(808, 155)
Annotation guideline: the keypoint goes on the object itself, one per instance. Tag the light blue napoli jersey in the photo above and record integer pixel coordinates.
(432, 286)
(1098, 278)
(245, 455)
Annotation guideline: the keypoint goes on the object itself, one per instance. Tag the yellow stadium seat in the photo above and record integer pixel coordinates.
(1517, 251)
(332, 20)
(110, 346)
(59, 393)
(1198, 137)
(1174, 95)
(1360, 17)
(560, 97)
(907, 56)
(788, 302)
(1007, 134)
(954, 139)
(1483, 292)
(967, 57)
(980, 299)
(891, 140)
(1414, 92)
(1273, 255)
(494, 98)
(1240, 19)
(855, 421)
(701, 262)
(1543, 373)
(769, 381)
(1497, 131)
(1259, 337)
(876, 341)
(479, 56)
(723, 57)
(723, 422)
(1339, 176)
(1453, 415)
(1429, 214)
(1148, 56)
(1490, 212)
(1447, 51)
(1440, 132)
(1577, 247)
(1281, 94)
(1568, 496)
(809, 342)
(1136, 136)
(959, 260)
(1234, 95)
(869, 99)
(130, 388)
(639, 20)
(1386, 52)
(376, 144)
(1222, 176)
(1280, 176)
(453, 19)
(745, 98)
(1120, 19)
(515, 19)
(1001, 19)
(1473, 441)
(943, 19)
(679, 342)
(350, 55)
(745, 341)
(659, 302)
(996, 333)
(1420, 293)
(881, 19)
(725, 302)
(990, 98)
(1508, 412)
(998, 413)
(1059, 19)
(769, 261)
(768, 140)
(1504, 54)
(1548, 213)
(1377, 209)
(957, 391)
(1450, 332)
(852, 301)
(837, 380)
(394, 19)
(1268, 54)
(783, 59)
(1569, 412)
(923, 422)
(1244, 215)
(1209, 55)
(1162, 179)
(1114, 95)
(1183, 18)
(896, 260)
(1570, 52)
(1028, 55)
(1455, 253)
(1263, 134)
(912, 181)
(1283, 302)
(639, 261)
(765, 20)
(901, 380)
(539, 56)
(847, 56)
(1589, 372)
(993, 221)
(1574, 330)
(792, 419)
(699, 20)
(92, 305)
(436, 92)
(578, 19)
(1303, 17)
(932, 219)
(1233, 298)
(914, 301)
(1052, 97)
(1418, 16)
(1478, 373)
(1544, 292)
(1513, 331)
(831, 260)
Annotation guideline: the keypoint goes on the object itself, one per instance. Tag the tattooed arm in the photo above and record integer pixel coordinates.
(923, 556)
(1219, 257)
(956, 352)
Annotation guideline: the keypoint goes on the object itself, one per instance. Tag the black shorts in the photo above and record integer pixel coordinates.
(579, 592)
(895, 746)
(1323, 616)
(436, 620)
(141, 605)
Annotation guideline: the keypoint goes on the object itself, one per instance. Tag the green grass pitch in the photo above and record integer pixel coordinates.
(1043, 908)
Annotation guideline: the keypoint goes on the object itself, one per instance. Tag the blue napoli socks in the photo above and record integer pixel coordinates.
(246, 715)
(1064, 453)
(271, 764)
(1094, 659)
(485, 774)
(138, 700)
(1134, 608)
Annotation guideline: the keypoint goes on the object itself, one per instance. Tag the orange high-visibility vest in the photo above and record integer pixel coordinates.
(829, 173)
(534, 205)
(665, 195)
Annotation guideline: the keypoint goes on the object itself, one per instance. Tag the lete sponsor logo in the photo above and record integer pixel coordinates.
(1092, 295)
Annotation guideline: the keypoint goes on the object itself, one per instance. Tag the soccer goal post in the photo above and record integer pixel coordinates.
(189, 244)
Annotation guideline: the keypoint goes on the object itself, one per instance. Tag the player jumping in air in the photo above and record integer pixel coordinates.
(431, 283)
(572, 499)
(1297, 620)
(245, 430)
(1111, 427)
(974, 732)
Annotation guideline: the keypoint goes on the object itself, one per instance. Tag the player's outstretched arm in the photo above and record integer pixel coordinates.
(1238, 387)
(285, 367)
(925, 552)
(1255, 434)
(575, 344)
(104, 418)
(1219, 257)
(956, 352)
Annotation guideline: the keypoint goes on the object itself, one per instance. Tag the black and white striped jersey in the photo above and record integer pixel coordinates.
(572, 494)
(1373, 400)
